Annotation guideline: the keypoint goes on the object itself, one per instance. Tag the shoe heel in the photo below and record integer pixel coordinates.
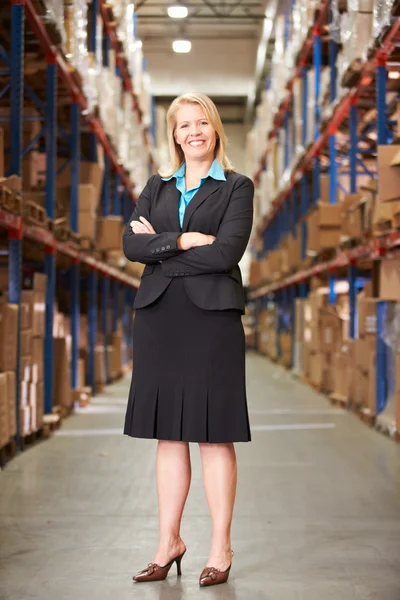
(178, 564)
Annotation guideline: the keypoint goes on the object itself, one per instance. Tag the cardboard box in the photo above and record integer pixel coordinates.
(25, 420)
(389, 285)
(109, 234)
(62, 373)
(4, 415)
(100, 378)
(365, 346)
(26, 343)
(25, 364)
(12, 402)
(35, 317)
(81, 374)
(299, 319)
(8, 336)
(323, 227)
(87, 225)
(389, 172)
(366, 316)
(37, 373)
(89, 173)
(371, 396)
(330, 330)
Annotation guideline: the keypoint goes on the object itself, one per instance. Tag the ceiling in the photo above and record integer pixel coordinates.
(225, 36)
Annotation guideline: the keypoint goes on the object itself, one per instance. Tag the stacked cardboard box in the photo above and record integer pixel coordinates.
(389, 279)
(8, 365)
(343, 372)
(109, 234)
(100, 379)
(298, 349)
(267, 332)
(365, 346)
(32, 324)
(323, 227)
(323, 336)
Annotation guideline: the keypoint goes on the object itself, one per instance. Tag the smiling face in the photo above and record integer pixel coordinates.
(194, 133)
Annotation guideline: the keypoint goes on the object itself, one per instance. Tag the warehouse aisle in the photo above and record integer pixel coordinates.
(317, 514)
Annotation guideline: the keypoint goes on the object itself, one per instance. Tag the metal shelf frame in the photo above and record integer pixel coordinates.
(296, 198)
(102, 279)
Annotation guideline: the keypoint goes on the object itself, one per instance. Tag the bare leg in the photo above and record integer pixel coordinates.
(173, 481)
(220, 477)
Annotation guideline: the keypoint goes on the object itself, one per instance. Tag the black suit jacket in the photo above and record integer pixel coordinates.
(211, 273)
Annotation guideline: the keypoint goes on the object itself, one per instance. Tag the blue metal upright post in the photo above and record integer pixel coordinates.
(50, 253)
(304, 111)
(92, 326)
(75, 270)
(332, 292)
(93, 28)
(17, 87)
(352, 300)
(106, 50)
(353, 147)
(332, 48)
(105, 297)
(381, 79)
(317, 55)
(15, 237)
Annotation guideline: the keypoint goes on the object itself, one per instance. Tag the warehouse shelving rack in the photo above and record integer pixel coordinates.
(288, 209)
(113, 284)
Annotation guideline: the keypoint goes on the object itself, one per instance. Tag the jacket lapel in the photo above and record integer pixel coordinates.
(173, 196)
(208, 188)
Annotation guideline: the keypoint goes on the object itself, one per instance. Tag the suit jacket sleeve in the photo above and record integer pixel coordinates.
(148, 248)
(230, 245)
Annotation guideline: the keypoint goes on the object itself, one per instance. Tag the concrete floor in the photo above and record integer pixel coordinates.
(317, 514)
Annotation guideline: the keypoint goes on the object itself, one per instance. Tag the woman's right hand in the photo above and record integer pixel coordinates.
(193, 239)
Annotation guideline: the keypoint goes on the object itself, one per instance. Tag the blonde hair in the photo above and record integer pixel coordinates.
(176, 153)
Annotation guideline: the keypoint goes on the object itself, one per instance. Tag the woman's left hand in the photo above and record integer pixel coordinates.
(142, 226)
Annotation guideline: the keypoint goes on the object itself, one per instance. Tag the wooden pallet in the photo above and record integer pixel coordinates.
(10, 200)
(7, 452)
(87, 244)
(365, 416)
(316, 386)
(50, 424)
(32, 438)
(340, 401)
(35, 214)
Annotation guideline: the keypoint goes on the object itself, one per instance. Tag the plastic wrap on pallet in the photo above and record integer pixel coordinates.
(55, 16)
(382, 13)
(391, 326)
(356, 27)
(76, 25)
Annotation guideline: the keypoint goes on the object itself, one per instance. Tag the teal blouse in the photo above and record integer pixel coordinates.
(215, 171)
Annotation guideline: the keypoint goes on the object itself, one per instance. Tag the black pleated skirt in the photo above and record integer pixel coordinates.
(188, 380)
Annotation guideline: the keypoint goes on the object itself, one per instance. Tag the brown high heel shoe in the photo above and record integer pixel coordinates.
(213, 576)
(154, 572)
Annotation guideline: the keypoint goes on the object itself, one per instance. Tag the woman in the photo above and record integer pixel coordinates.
(191, 229)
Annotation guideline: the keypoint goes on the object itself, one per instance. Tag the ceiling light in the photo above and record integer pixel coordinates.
(394, 75)
(177, 12)
(182, 46)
